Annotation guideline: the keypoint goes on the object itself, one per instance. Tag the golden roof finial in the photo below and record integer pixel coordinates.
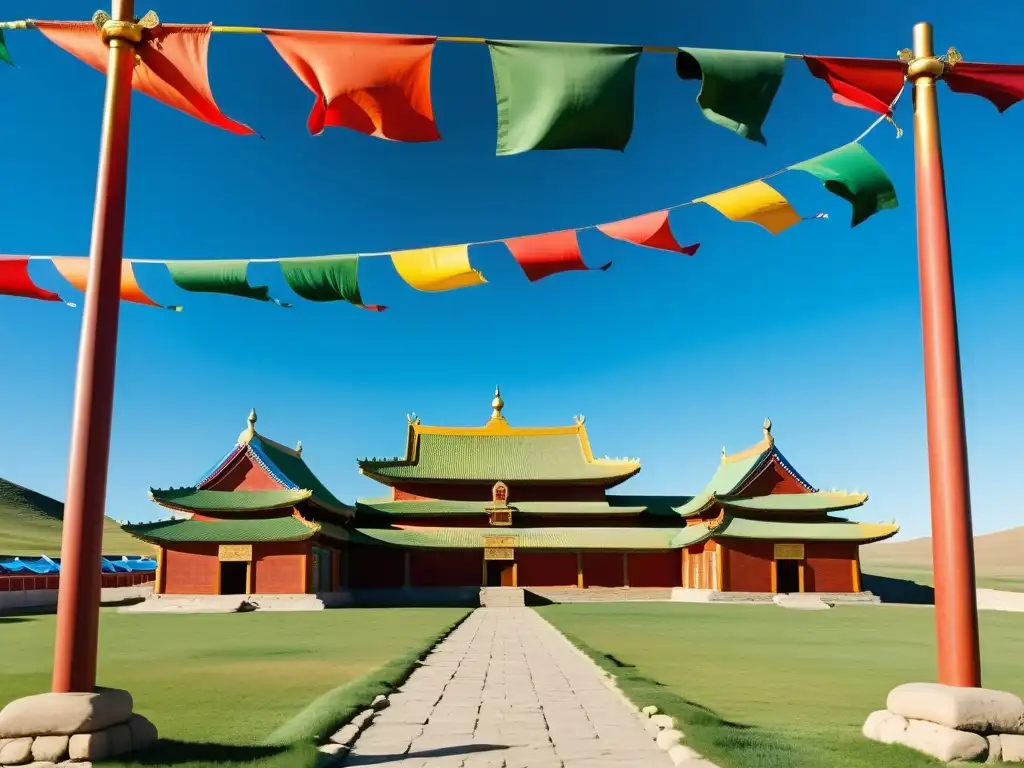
(250, 429)
(767, 427)
(497, 404)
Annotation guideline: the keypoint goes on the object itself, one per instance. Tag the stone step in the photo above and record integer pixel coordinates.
(502, 597)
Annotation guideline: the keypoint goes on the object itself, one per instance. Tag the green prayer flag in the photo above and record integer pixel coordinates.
(324, 278)
(4, 53)
(563, 95)
(737, 87)
(853, 174)
(226, 276)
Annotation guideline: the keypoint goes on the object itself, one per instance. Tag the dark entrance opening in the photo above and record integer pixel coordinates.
(499, 573)
(233, 578)
(787, 575)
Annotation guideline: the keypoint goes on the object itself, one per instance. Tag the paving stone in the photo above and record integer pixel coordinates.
(507, 690)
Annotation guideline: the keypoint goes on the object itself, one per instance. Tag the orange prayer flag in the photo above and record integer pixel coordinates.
(76, 272)
(170, 65)
(540, 256)
(651, 230)
(375, 84)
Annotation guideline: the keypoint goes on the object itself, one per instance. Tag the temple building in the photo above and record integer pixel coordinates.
(259, 522)
(498, 505)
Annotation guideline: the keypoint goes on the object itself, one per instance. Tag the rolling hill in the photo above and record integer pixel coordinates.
(30, 525)
(999, 562)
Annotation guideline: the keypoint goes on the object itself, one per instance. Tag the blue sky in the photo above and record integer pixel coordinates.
(669, 358)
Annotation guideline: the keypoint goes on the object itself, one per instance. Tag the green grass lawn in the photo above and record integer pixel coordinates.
(792, 687)
(218, 685)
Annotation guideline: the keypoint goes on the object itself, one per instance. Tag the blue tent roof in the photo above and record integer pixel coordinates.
(46, 565)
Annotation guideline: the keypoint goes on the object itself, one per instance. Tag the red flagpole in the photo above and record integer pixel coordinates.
(956, 610)
(78, 605)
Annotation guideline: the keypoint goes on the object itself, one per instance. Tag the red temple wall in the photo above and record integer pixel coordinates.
(603, 569)
(526, 521)
(440, 568)
(444, 521)
(375, 567)
(546, 569)
(748, 565)
(772, 479)
(482, 492)
(828, 566)
(655, 569)
(278, 568)
(260, 514)
(191, 569)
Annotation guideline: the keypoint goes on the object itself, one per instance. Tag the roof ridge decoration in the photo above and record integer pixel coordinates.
(249, 434)
(496, 405)
(767, 442)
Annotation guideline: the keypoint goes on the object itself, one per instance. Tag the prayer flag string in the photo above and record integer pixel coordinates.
(549, 95)
(849, 171)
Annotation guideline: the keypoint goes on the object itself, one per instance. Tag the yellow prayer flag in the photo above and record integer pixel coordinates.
(437, 269)
(755, 202)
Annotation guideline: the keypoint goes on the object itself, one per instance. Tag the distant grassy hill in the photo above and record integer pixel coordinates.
(999, 560)
(30, 524)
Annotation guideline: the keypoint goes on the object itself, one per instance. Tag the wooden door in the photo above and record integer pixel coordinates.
(508, 574)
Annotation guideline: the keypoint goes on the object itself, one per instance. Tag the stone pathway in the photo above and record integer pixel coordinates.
(507, 690)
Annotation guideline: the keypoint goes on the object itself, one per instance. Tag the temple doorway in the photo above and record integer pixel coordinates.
(501, 573)
(787, 576)
(233, 578)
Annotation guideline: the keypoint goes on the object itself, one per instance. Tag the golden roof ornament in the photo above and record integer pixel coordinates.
(767, 427)
(250, 429)
(497, 404)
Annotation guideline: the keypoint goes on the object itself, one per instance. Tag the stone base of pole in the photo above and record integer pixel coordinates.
(952, 724)
(72, 728)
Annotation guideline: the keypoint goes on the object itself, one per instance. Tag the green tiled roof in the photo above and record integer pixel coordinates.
(199, 500)
(536, 538)
(442, 507)
(227, 532)
(818, 501)
(653, 505)
(298, 472)
(696, 505)
(731, 472)
(507, 457)
(742, 528)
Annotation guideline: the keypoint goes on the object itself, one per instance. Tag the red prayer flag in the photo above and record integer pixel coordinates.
(170, 65)
(1002, 84)
(375, 84)
(651, 230)
(16, 281)
(869, 83)
(547, 254)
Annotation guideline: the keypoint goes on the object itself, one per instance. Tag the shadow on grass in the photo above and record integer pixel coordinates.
(187, 753)
(905, 591)
(14, 619)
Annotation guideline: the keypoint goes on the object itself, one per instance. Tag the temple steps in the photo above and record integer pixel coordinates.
(866, 598)
(502, 597)
(597, 594)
